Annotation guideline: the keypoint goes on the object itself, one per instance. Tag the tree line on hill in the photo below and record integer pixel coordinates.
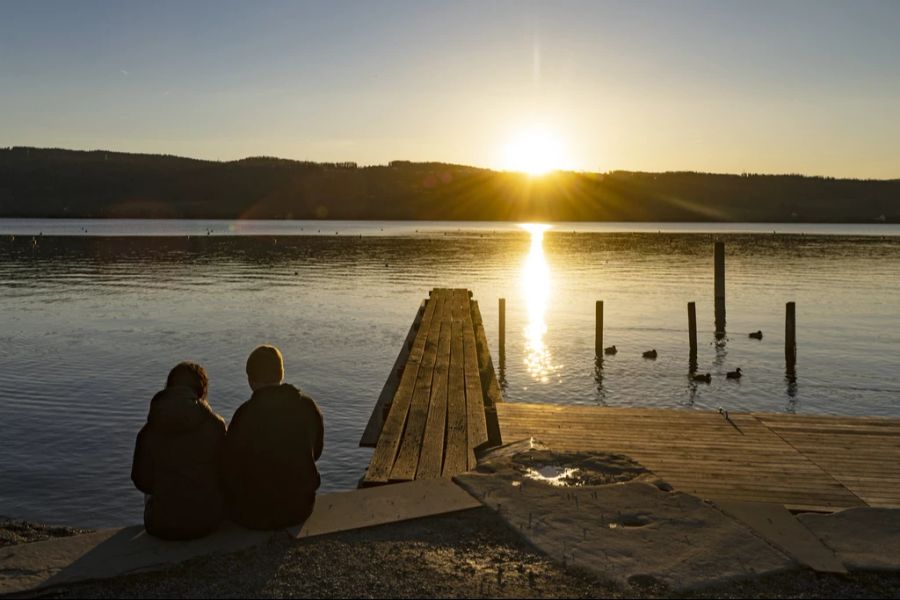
(99, 184)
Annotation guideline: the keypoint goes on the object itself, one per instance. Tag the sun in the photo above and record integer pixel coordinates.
(535, 151)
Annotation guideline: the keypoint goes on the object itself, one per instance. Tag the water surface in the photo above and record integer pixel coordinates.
(91, 324)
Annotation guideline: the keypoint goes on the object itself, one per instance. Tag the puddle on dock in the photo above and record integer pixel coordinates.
(530, 460)
(554, 475)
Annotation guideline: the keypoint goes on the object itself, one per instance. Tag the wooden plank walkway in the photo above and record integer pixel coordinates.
(434, 410)
(804, 463)
(441, 403)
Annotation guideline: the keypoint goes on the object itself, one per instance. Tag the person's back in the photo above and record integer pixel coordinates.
(273, 442)
(178, 459)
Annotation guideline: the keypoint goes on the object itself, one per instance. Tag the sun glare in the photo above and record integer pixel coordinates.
(535, 151)
(536, 291)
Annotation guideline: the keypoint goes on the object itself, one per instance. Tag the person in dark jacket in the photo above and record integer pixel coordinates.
(178, 459)
(273, 442)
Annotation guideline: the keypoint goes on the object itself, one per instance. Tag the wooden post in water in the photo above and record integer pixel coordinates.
(598, 333)
(502, 331)
(692, 333)
(720, 289)
(790, 336)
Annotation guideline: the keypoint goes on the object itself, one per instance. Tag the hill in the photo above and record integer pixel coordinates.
(65, 183)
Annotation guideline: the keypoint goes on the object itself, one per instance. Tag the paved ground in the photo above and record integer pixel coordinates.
(470, 554)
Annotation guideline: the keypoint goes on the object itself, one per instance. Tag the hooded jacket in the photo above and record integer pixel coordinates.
(273, 442)
(177, 463)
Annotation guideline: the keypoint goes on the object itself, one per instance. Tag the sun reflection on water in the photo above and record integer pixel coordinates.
(536, 287)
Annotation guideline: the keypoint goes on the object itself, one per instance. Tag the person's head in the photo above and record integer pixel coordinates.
(265, 367)
(191, 375)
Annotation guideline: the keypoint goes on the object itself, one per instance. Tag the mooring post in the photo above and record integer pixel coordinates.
(692, 332)
(502, 331)
(598, 334)
(790, 336)
(720, 289)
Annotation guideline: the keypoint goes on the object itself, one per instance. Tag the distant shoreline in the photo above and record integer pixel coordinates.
(429, 220)
(201, 228)
(56, 183)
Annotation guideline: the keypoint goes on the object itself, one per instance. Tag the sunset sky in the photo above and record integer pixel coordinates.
(776, 87)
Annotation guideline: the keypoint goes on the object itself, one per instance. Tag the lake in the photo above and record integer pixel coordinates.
(95, 313)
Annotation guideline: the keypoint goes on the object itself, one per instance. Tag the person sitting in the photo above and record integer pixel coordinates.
(178, 459)
(273, 442)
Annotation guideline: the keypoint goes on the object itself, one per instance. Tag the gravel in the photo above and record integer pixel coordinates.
(463, 555)
(13, 531)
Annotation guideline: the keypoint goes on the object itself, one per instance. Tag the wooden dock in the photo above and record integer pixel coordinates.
(436, 408)
(810, 463)
(441, 404)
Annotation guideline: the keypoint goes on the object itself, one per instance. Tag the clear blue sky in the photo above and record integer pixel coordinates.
(792, 86)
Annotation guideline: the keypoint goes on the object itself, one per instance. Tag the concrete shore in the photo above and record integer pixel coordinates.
(612, 529)
(468, 554)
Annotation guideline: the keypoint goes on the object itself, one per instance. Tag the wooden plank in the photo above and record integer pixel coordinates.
(574, 434)
(625, 428)
(600, 413)
(844, 441)
(762, 495)
(477, 427)
(407, 460)
(887, 427)
(889, 502)
(766, 449)
(659, 413)
(843, 434)
(737, 469)
(793, 418)
(369, 437)
(800, 508)
(674, 454)
(455, 456)
(724, 433)
(773, 496)
(626, 431)
(431, 460)
(672, 448)
(711, 422)
(793, 503)
(853, 459)
(871, 463)
(846, 448)
(886, 479)
(490, 385)
(389, 442)
(463, 314)
(824, 486)
(799, 478)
